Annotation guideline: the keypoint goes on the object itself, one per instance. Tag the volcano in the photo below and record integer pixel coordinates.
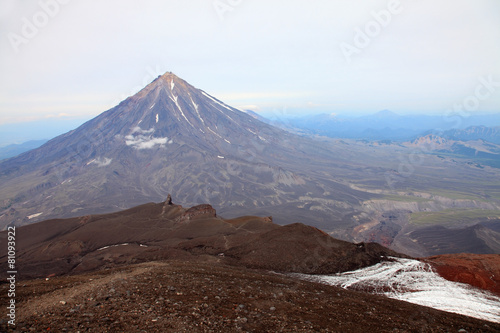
(174, 138)
(171, 137)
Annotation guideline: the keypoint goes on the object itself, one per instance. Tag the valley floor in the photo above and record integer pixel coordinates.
(171, 296)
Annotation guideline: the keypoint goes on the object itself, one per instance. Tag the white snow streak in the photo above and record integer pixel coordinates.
(214, 132)
(415, 282)
(101, 161)
(157, 118)
(182, 113)
(216, 101)
(196, 108)
(172, 85)
(34, 215)
(152, 106)
(107, 247)
(227, 141)
(220, 156)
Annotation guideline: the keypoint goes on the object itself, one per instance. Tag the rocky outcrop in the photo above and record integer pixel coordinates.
(482, 271)
(268, 219)
(430, 142)
(169, 200)
(200, 211)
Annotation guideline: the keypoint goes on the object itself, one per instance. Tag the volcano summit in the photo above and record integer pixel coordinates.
(169, 137)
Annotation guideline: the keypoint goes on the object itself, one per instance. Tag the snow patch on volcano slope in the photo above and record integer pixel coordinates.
(196, 109)
(415, 282)
(34, 215)
(219, 103)
(214, 132)
(216, 101)
(179, 107)
(115, 245)
(101, 161)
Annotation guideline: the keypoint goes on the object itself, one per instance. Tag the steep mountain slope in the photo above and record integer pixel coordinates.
(170, 137)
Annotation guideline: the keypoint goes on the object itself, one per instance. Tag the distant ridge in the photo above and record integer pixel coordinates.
(165, 230)
(16, 149)
(490, 134)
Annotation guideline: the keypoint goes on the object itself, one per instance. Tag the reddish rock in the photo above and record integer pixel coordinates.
(478, 270)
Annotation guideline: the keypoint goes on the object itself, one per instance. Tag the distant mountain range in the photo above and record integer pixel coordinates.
(35, 130)
(382, 126)
(490, 134)
(16, 149)
(479, 144)
(387, 125)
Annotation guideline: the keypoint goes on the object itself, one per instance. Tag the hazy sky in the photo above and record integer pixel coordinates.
(76, 58)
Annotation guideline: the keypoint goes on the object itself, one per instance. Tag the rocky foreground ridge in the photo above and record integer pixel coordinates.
(160, 267)
(175, 296)
(158, 231)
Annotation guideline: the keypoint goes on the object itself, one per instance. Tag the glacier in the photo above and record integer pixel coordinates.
(416, 282)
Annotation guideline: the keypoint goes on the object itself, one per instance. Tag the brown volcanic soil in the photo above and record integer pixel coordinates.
(158, 231)
(479, 270)
(115, 277)
(178, 296)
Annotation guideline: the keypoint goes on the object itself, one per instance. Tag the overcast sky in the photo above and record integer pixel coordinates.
(77, 58)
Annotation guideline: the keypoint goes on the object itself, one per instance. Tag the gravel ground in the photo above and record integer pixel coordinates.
(171, 296)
